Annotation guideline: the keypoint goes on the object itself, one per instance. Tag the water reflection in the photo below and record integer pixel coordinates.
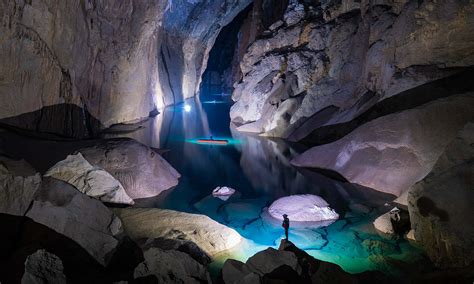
(260, 170)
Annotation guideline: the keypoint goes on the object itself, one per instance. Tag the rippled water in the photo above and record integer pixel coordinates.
(260, 170)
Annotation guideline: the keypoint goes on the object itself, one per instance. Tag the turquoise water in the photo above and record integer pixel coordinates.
(260, 170)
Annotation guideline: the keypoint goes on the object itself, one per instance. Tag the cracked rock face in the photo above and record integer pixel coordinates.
(330, 62)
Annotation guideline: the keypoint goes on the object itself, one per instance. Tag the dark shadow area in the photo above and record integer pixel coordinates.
(40, 153)
(62, 121)
(427, 207)
(22, 237)
(223, 64)
(338, 192)
(457, 84)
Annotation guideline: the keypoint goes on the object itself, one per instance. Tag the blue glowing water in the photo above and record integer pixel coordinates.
(260, 170)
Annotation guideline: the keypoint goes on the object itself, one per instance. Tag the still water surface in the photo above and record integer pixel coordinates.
(260, 170)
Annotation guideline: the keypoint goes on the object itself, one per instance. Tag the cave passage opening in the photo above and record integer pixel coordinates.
(223, 62)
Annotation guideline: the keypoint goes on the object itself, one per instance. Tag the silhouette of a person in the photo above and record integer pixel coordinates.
(286, 225)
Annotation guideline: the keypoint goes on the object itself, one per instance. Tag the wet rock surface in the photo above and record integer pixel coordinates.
(440, 205)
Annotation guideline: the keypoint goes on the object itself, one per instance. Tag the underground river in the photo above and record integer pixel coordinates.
(260, 170)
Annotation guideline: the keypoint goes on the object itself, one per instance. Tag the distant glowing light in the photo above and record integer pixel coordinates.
(187, 108)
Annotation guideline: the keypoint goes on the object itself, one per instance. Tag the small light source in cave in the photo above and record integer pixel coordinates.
(187, 108)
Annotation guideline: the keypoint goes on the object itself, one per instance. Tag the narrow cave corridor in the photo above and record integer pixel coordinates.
(236, 141)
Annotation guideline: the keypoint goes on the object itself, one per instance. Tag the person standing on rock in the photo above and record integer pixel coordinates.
(286, 225)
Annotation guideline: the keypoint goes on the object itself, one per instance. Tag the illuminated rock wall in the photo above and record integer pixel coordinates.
(328, 62)
(74, 67)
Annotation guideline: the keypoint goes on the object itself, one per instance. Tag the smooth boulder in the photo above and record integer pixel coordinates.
(59, 206)
(302, 208)
(141, 170)
(206, 233)
(440, 205)
(89, 180)
(393, 152)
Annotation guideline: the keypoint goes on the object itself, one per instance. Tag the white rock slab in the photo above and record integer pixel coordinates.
(89, 180)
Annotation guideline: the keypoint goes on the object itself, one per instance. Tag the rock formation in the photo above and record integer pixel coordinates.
(206, 233)
(289, 264)
(87, 221)
(101, 63)
(393, 152)
(43, 267)
(171, 267)
(302, 208)
(330, 61)
(90, 180)
(141, 170)
(18, 185)
(440, 205)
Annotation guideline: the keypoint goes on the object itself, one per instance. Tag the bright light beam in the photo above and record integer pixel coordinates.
(187, 108)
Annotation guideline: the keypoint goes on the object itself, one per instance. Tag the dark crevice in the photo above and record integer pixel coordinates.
(456, 84)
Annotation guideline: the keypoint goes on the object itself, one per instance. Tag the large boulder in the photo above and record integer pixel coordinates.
(89, 180)
(393, 152)
(170, 266)
(59, 206)
(141, 170)
(206, 233)
(290, 264)
(18, 185)
(43, 267)
(185, 246)
(302, 208)
(331, 61)
(440, 205)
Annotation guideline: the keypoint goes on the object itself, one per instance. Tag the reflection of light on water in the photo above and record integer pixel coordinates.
(231, 141)
(214, 102)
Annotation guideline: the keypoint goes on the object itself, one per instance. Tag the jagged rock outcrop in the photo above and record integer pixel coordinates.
(440, 205)
(289, 264)
(18, 185)
(206, 233)
(141, 170)
(170, 266)
(43, 267)
(330, 61)
(89, 180)
(393, 152)
(61, 207)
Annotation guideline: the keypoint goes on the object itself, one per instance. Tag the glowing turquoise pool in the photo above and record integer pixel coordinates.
(260, 170)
